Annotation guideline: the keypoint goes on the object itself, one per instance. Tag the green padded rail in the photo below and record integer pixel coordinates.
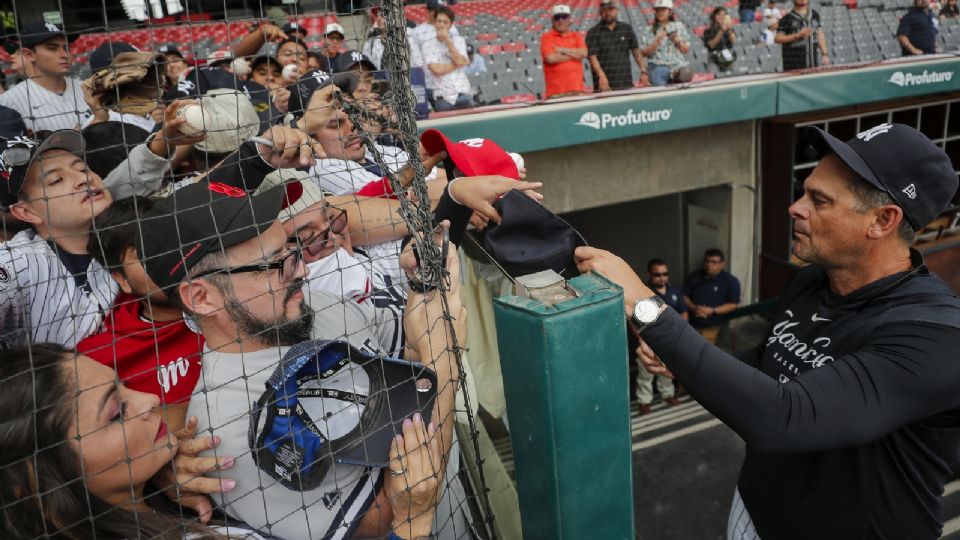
(566, 382)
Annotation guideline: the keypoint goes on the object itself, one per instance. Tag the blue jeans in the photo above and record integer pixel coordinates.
(659, 74)
(464, 101)
(747, 16)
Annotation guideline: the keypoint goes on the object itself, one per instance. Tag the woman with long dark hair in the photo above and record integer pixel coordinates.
(78, 450)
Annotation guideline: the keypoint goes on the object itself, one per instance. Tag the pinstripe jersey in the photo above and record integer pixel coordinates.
(42, 109)
(40, 301)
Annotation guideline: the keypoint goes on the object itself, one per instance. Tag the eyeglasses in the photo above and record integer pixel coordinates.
(287, 265)
(561, 17)
(337, 218)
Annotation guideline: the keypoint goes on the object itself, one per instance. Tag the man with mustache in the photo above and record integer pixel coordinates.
(240, 276)
(849, 408)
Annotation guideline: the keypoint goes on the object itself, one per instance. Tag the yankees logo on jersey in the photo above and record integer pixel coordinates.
(44, 110)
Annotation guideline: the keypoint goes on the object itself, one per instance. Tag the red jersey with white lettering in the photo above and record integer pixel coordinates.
(161, 358)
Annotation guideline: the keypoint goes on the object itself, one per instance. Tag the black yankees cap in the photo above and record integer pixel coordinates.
(202, 218)
(347, 60)
(901, 161)
(18, 153)
(310, 82)
(34, 34)
(103, 56)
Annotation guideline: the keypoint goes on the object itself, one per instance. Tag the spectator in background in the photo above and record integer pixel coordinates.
(477, 64)
(711, 293)
(266, 72)
(609, 45)
(666, 44)
(373, 46)
(770, 21)
(51, 99)
(563, 52)
(333, 36)
(295, 29)
(658, 279)
(175, 63)
(917, 32)
(950, 11)
(801, 37)
(720, 39)
(445, 57)
(314, 60)
(748, 11)
(292, 51)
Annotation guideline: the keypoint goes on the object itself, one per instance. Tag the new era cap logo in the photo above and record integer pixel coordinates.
(869, 134)
(356, 56)
(51, 27)
(911, 191)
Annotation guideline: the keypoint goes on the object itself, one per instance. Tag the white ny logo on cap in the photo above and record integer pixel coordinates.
(356, 56)
(911, 191)
(869, 134)
(51, 27)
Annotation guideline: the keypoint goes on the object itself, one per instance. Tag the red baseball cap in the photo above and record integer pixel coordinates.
(474, 157)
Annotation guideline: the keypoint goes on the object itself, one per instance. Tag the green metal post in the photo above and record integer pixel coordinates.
(566, 381)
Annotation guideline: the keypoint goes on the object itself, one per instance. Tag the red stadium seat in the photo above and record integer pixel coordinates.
(700, 77)
(488, 36)
(514, 47)
(489, 49)
(519, 98)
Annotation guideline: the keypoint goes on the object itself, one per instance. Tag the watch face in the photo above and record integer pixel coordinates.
(646, 311)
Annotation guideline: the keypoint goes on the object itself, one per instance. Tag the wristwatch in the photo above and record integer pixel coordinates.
(646, 312)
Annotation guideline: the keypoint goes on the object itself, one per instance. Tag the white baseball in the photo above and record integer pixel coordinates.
(291, 73)
(518, 159)
(195, 121)
(240, 67)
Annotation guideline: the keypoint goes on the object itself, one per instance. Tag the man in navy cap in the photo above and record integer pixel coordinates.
(103, 55)
(295, 29)
(849, 407)
(50, 99)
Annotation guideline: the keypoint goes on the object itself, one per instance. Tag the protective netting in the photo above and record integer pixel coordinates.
(228, 289)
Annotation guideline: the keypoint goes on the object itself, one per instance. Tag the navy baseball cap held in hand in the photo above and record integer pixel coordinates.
(20, 152)
(202, 218)
(530, 238)
(328, 403)
(901, 161)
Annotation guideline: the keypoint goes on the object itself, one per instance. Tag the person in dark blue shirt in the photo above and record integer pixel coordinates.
(658, 278)
(917, 32)
(710, 294)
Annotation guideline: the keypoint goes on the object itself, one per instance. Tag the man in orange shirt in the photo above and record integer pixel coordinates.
(563, 52)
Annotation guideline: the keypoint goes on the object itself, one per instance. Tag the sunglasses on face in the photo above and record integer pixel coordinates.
(337, 219)
(287, 265)
(561, 17)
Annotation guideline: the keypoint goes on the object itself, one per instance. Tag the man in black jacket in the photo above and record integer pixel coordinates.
(850, 408)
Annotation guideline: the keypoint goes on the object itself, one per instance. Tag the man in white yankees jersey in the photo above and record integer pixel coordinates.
(50, 99)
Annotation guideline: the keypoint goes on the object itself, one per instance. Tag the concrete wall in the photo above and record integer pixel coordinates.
(598, 187)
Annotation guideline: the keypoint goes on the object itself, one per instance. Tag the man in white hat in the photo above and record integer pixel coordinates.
(563, 52)
(333, 36)
(666, 46)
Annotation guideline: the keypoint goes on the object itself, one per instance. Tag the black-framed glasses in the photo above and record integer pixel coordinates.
(287, 265)
(561, 17)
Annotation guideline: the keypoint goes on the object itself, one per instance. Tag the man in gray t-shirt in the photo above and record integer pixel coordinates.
(232, 268)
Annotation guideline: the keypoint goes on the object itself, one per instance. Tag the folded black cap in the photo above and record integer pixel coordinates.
(202, 218)
(530, 238)
(901, 161)
(11, 123)
(103, 55)
(34, 34)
